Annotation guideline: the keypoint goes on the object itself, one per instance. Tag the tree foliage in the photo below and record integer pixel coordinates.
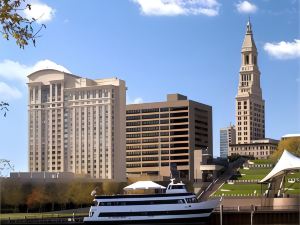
(290, 144)
(16, 26)
(5, 167)
(110, 187)
(15, 194)
(37, 198)
(24, 196)
(4, 106)
(80, 192)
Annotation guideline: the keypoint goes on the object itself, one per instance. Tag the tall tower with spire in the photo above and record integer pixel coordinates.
(250, 106)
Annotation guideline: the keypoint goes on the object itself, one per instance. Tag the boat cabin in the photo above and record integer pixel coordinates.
(176, 188)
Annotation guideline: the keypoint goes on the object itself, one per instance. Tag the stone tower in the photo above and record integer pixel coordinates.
(250, 106)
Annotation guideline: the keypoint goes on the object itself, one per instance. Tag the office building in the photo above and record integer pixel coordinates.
(76, 124)
(163, 136)
(227, 137)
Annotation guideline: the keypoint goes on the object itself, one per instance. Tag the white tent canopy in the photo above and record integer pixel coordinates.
(142, 185)
(286, 162)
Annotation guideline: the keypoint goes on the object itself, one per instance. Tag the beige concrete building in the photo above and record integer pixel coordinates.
(74, 122)
(163, 135)
(259, 149)
(250, 106)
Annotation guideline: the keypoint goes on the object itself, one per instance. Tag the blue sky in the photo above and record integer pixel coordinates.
(159, 47)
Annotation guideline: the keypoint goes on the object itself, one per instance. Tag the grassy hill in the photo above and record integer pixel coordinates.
(245, 182)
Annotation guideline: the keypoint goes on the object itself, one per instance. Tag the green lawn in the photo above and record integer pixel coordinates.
(294, 175)
(293, 192)
(262, 161)
(15, 216)
(239, 189)
(292, 188)
(256, 173)
(253, 173)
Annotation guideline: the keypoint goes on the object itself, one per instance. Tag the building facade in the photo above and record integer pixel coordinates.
(73, 124)
(227, 137)
(250, 106)
(164, 135)
(258, 149)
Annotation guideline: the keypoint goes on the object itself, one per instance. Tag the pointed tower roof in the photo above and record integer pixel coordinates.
(249, 44)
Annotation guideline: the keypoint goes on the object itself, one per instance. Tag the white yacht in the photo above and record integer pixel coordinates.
(175, 205)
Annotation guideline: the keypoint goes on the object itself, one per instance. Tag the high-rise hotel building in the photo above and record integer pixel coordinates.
(164, 135)
(250, 106)
(76, 124)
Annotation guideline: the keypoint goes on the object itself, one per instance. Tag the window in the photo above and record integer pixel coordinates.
(150, 110)
(150, 116)
(246, 59)
(132, 111)
(164, 109)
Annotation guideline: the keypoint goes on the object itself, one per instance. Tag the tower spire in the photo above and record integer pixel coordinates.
(249, 26)
(249, 44)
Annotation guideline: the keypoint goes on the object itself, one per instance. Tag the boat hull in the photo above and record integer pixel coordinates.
(195, 220)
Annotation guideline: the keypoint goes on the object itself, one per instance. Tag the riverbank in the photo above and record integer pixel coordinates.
(241, 217)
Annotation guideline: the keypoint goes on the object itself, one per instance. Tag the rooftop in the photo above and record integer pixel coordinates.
(290, 135)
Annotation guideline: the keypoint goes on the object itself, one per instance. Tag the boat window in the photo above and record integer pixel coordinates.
(180, 201)
(95, 203)
(178, 187)
(147, 202)
(191, 200)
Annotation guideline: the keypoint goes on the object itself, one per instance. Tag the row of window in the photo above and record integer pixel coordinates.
(165, 109)
(138, 165)
(148, 202)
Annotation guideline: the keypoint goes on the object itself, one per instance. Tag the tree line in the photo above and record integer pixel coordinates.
(19, 196)
(291, 144)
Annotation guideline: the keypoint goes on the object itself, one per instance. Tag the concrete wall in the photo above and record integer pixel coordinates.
(267, 202)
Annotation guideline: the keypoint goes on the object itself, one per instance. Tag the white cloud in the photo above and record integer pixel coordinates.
(137, 100)
(246, 7)
(178, 7)
(283, 50)
(11, 70)
(16, 73)
(7, 92)
(39, 11)
(48, 64)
